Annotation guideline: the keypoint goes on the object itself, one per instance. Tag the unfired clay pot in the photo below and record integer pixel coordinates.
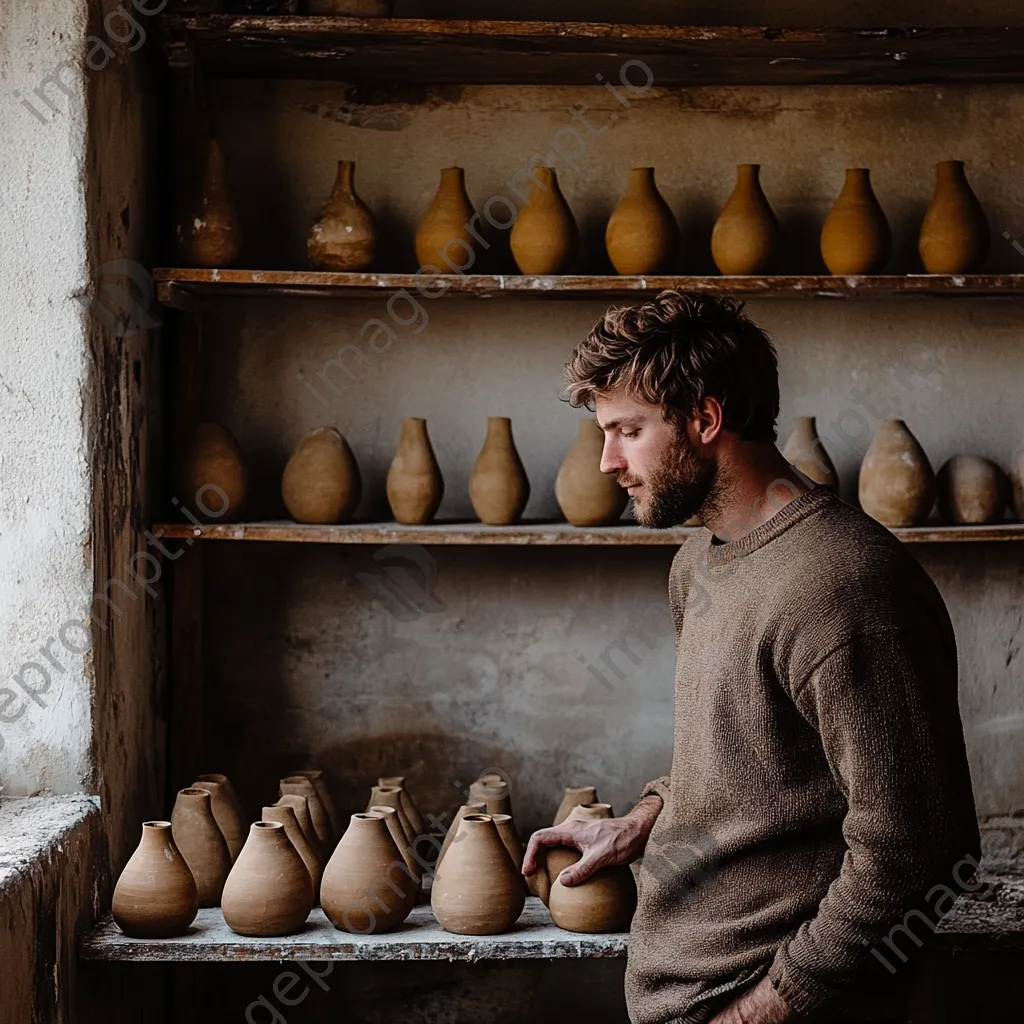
(586, 496)
(605, 902)
(498, 486)
(746, 234)
(415, 486)
(391, 796)
(954, 235)
(855, 238)
(227, 809)
(509, 837)
(473, 807)
(477, 889)
(209, 232)
(319, 779)
(155, 896)
(805, 451)
(443, 238)
(300, 807)
(493, 795)
(590, 812)
(367, 886)
(412, 813)
(642, 236)
(345, 236)
(897, 485)
(544, 238)
(214, 482)
(269, 891)
(321, 483)
(286, 816)
(573, 797)
(394, 824)
(972, 490)
(299, 785)
(1017, 482)
(201, 842)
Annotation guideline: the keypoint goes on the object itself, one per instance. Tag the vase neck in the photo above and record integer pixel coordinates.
(453, 178)
(641, 181)
(858, 182)
(748, 174)
(499, 428)
(414, 428)
(949, 170)
(345, 181)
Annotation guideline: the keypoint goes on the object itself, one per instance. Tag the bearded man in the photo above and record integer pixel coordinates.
(818, 818)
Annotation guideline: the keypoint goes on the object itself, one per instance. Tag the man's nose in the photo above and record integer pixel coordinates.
(611, 458)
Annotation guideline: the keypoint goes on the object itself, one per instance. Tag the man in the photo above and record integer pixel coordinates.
(818, 819)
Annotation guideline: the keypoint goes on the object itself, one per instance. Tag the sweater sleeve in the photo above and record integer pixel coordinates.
(657, 787)
(885, 707)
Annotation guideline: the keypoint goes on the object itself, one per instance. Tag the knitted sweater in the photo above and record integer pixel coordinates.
(819, 790)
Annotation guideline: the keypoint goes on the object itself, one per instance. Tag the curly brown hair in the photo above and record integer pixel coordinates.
(676, 350)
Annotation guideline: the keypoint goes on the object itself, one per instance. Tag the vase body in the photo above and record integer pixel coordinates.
(605, 902)
(1017, 482)
(473, 807)
(573, 797)
(209, 234)
(954, 235)
(299, 785)
(642, 236)
(215, 482)
(412, 813)
(394, 824)
(477, 889)
(391, 796)
(155, 896)
(972, 490)
(897, 485)
(321, 483)
(498, 486)
(544, 238)
(286, 816)
(493, 795)
(345, 236)
(300, 807)
(269, 891)
(414, 484)
(586, 496)
(443, 238)
(201, 842)
(746, 234)
(367, 886)
(319, 779)
(806, 453)
(855, 238)
(227, 810)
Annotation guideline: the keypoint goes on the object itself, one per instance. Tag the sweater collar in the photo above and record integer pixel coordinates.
(799, 508)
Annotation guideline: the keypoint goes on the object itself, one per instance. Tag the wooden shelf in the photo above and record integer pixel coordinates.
(541, 534)
(179, 286)
(399, 51)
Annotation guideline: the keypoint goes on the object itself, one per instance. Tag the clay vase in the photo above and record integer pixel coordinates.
(493, 795)
(590, 812)
(391, 796)
(855, 238)
(412, 813)
(209, 234)
(605, 902)
(746, 234)
(367, 887)
(586, 496)
(473, 807)
(509, 837)
(574, 796)
(321, 483)
(972, 490)
(201, 842)
(300, 806)
(444, 239)
(805, 452)
(155, 896)
(477, 888)
(897, 485)
(214, 478)
(642, 235)
(285, 815)
(319, 779)
(394, 824)
(345, 236)
(269, 891)
(415, 486)
(954, 235)
(227, 810)
(498, 486)
(299, 785)
(544, 238)
(1017, 482)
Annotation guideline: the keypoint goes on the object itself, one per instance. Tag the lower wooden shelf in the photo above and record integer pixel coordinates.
(526, 533)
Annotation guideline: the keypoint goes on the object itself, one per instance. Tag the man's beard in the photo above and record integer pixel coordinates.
(675, 490)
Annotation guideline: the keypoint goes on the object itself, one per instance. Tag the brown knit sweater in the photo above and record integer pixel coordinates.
(819, 789)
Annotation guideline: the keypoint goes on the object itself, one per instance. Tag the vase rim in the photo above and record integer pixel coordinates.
(500, 817)
(156, 826)
(211, 777)
(295, 778)
(266, 826)
(194, 791)
(477, 818)
(380, 810)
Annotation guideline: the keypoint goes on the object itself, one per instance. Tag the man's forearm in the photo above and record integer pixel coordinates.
(644, 815)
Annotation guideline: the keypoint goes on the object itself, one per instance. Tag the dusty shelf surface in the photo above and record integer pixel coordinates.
(404, 50)
(543, 534)
(181, 286)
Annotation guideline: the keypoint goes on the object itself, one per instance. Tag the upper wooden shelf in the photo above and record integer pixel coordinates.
(522, 534)
(399, 51)
(178, 286)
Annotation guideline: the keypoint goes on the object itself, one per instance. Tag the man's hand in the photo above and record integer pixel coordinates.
(605, 842)
(760, 1005)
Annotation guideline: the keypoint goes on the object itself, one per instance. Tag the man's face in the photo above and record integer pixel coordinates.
(655, 461)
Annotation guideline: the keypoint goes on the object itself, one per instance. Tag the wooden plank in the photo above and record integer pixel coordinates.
(401, 51)
(543, 534)
(175, 282)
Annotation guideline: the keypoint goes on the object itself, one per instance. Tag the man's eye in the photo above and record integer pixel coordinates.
(630, 433)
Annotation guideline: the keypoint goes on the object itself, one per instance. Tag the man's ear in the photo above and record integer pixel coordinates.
(707, 419)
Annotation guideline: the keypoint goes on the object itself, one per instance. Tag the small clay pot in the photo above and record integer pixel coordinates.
(412, 814)
(227, 809)
(300, 806)
(214, 478)
(954, 235)
(209, 232)
(474, 807)
(300, 785)
(573, 797)
(286, 816)
(498, 485)
(897, 484)
(590, 812)
(972, 490)
(544, 238)
(805, 452)
(586, 496)
(642, 235)
(444, 238)
(604, 903)
(856, 238)
(746, 234)
(394, 824)
(321, 482)
(345, 237)
(155, 896)
(414, 483)
(201, 842)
